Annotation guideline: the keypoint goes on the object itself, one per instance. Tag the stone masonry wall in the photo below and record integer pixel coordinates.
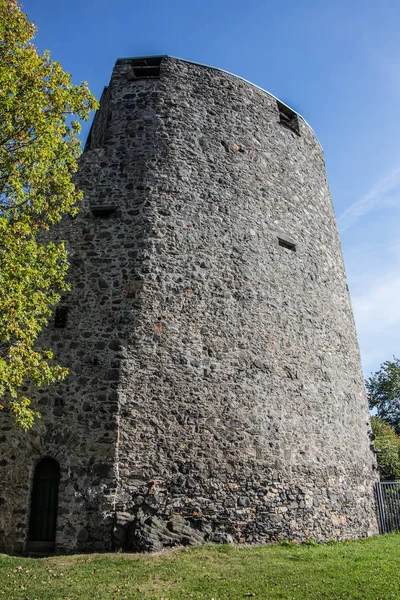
(215, 390)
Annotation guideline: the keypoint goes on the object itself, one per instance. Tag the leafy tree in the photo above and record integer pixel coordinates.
(383, 389)
(387, 444)
(40, 110)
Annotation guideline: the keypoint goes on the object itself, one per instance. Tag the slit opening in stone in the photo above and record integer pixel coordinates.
(146, 68)
(288, 117)
(103, 211)
(286, 244)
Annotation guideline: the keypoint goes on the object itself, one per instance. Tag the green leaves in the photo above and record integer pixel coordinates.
(387, 444)
(383, 389)
(39, 149)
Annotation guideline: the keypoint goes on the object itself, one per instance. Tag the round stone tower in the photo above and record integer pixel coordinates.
(215, 388)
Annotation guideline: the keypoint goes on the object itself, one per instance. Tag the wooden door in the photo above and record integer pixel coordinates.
(43, 517)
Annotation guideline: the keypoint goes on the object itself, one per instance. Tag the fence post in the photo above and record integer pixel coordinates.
(381, 509)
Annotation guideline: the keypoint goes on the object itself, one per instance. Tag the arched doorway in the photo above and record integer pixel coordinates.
(44, 501)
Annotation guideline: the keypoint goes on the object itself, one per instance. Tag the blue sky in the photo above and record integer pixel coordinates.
(336, 62)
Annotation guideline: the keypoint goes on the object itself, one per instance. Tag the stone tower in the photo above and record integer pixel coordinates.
(215, 389)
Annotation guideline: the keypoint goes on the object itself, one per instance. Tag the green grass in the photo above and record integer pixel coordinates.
(367, 569)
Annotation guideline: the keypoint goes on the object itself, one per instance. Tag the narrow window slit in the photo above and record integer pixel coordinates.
(146, 68)
(60, 317)
(103, 211)
(288, 117)
(287, 245)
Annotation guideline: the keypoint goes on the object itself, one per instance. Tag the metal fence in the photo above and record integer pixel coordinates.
(388, 497)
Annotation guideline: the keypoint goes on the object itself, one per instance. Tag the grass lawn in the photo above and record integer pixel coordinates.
(367, 569)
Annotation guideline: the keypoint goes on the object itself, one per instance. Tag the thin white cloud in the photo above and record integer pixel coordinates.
(377, 315)
(381, 194)
(378, 309)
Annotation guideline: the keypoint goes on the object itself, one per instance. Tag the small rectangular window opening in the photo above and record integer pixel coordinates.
(60, 317)
(287, 245)
(288, 117)
(103, 211)
(146, 68)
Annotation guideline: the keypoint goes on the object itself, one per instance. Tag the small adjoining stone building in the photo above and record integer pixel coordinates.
(215, 389)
